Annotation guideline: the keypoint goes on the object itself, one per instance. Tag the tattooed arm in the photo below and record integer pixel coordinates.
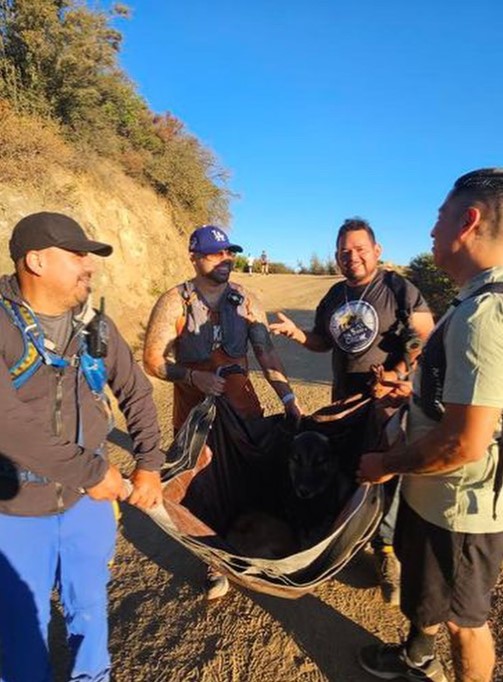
(158, 353)
(160, 339)
(267, 356)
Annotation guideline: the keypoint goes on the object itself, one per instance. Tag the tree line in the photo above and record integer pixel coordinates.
(59, 63)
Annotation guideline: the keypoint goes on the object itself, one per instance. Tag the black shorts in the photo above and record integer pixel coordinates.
(446, 576)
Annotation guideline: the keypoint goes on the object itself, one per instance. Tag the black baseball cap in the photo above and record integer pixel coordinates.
(41, 230)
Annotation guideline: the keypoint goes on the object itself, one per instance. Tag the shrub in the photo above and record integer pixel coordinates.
(59, 61)
(437, 287)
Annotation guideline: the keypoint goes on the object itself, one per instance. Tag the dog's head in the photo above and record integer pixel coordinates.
(312, 464)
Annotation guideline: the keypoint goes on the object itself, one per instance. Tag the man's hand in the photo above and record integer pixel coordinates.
(387, 383)
(285, 326)
(110, 488)
(208, 382)
(371, 470)
(294, 411)
(147, 490)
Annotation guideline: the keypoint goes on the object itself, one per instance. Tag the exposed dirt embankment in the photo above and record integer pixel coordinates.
(149, 253)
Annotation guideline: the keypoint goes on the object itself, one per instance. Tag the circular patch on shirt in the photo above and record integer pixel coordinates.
(354, 326)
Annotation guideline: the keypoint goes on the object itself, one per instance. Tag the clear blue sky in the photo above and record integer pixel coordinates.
(323, 110)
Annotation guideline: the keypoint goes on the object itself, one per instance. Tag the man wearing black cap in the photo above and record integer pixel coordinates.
(57, 525)
(207, 323)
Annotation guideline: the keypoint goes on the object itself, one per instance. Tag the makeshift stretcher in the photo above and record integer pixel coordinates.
(220, 465)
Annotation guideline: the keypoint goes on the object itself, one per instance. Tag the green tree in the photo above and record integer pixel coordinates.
(437, 287)
(59, 60)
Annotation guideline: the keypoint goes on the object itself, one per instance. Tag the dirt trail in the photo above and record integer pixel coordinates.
(163, 629)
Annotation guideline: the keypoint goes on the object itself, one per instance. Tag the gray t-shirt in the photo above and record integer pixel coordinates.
(361, 325)
(462, 500)
(57, 329)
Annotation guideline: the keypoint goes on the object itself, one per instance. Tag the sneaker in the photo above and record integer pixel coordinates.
(388, 569)
(390, 662)
(217, 585)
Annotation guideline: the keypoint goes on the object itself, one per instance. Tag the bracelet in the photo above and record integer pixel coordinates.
(287, 398)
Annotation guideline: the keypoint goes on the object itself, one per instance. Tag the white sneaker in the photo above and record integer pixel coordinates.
(217, 584)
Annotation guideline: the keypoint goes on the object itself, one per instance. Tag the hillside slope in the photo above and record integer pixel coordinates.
(149, 253)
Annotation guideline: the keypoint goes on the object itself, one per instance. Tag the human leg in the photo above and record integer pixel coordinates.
(387, 565)
(87, 540)
(473, 653)
(28, 562)
(479, 558)
(423, 600)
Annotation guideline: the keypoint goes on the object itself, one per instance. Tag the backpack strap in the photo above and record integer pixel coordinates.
(188, 295)
(30, 359)
(398, 286)
(412, 343)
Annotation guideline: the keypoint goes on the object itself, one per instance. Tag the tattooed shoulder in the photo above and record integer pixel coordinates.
(161, 329)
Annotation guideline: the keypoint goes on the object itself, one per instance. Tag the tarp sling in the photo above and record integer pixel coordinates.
(220, 465)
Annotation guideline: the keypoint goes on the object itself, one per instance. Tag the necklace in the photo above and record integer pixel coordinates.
(358, 305)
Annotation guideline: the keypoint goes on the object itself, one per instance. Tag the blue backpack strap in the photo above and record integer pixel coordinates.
(30, 359)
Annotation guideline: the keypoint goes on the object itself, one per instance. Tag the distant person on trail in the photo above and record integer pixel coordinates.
(57, 525)
(205, 324)
(366, 320)
(264, 263)
(249, 263)
(449, 533)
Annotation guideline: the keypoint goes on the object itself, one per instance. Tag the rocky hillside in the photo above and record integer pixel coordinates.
(149, 253)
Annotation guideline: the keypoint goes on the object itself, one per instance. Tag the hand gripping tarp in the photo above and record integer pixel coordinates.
(219, 466)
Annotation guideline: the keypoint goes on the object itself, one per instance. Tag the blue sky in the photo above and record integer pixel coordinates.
(323, 110)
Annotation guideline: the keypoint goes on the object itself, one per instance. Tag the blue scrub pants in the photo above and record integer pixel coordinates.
(69, 551)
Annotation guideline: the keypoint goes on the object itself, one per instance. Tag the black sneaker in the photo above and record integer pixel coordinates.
(390, 662)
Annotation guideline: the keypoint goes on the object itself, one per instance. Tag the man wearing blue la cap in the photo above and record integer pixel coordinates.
(210, 239)
(206, 323)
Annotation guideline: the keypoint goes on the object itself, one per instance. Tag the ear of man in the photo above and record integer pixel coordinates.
(34, 262)
(470, 223)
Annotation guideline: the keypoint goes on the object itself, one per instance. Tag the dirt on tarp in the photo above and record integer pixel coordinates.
(164, 630)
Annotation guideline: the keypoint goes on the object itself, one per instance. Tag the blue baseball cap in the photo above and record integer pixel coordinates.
(211, 239)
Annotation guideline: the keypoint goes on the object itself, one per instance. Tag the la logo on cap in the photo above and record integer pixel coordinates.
(219, 236)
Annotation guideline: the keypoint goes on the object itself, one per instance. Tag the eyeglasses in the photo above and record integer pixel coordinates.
(219, 255)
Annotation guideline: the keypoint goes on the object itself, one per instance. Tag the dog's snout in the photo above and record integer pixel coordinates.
(304, 491)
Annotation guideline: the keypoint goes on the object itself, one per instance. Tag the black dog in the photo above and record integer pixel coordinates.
(319, 485)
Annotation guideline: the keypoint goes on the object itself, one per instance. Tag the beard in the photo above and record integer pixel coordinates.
(221, 273)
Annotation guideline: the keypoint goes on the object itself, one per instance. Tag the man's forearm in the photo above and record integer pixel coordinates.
(174, 372)
(310, 340)
(428, 455)
(274, 373)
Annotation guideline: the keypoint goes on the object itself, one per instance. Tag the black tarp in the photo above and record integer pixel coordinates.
(220, 466)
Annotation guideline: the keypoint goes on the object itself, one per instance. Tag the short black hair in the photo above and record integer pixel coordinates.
(352, 225)
(483, 186)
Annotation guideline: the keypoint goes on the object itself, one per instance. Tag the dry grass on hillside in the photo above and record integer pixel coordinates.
(28, 146)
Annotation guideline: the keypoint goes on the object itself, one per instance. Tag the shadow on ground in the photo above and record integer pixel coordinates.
(308, 620)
